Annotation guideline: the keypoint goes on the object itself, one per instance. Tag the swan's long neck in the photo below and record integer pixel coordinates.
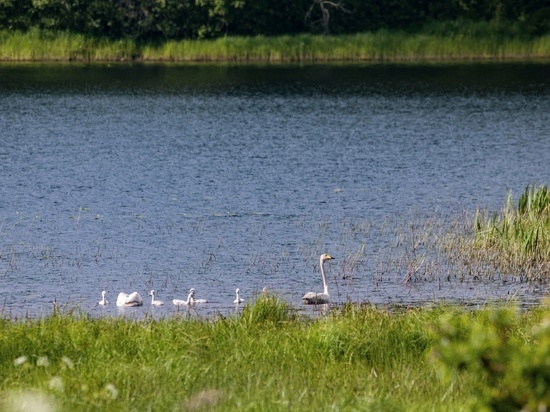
(189, 297)
(325, 284)
(152, 297)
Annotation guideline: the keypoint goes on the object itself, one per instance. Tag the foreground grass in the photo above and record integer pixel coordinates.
(442, 44)
(267, 358)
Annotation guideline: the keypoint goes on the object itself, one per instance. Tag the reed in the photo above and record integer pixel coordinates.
(443, 41)
(518, 238)
(380, 46)
(39, 45)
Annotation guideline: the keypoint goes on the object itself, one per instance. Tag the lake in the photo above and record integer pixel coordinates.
(123, 177)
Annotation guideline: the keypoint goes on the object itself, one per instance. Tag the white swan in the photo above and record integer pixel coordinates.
(155, 302)
(239, 299)
(312, 298)
(133, 299)
(193, 300)
(188, 302)
(103, 300)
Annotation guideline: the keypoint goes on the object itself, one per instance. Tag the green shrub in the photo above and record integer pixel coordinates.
(514, 367)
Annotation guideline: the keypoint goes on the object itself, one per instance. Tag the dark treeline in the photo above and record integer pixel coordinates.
(192, 19)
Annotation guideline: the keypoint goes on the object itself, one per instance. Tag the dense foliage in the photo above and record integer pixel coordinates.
(515, 367)
(190, 19)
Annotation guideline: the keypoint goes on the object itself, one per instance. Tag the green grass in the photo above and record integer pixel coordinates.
(443, 41)
(268, 358)
(517, 238)
(37, 45)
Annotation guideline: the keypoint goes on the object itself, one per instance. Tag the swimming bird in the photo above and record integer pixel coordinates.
(193, 300)
(239, 299)
(103, 300)
(125, 300)
(155, 302)
(312, 298)
(188, 302)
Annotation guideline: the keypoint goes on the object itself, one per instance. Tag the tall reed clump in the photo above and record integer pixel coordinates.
(518, 238)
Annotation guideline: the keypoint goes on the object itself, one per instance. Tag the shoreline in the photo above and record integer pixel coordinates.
(377, 47)
(453, 60)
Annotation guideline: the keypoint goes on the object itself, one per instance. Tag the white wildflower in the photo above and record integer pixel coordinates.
(113, 392)
(20, 360)
(43, 361)
(27, 401)
(67, 361)
(56, 384)
(207, 399)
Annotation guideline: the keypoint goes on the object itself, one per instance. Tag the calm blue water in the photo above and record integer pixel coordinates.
(123, 178)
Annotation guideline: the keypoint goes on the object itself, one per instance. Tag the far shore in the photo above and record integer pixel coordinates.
(382, 46)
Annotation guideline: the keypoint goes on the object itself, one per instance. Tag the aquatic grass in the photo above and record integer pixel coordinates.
(518, 237)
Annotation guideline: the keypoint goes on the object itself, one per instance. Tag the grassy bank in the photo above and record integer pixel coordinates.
(267, 358)
(469, 43)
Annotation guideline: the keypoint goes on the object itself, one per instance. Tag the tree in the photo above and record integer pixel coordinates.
(323, 6)
(219, 16)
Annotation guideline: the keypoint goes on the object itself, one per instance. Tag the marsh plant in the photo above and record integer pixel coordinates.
(517, 239)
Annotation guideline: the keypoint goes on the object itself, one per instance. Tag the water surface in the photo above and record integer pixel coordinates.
(166, 177)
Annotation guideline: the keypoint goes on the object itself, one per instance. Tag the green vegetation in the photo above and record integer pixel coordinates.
(271, 358)
(379, 46)
(274, 31)
(442, 43)
(512, 360)
(518, 238)
(267, 30)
